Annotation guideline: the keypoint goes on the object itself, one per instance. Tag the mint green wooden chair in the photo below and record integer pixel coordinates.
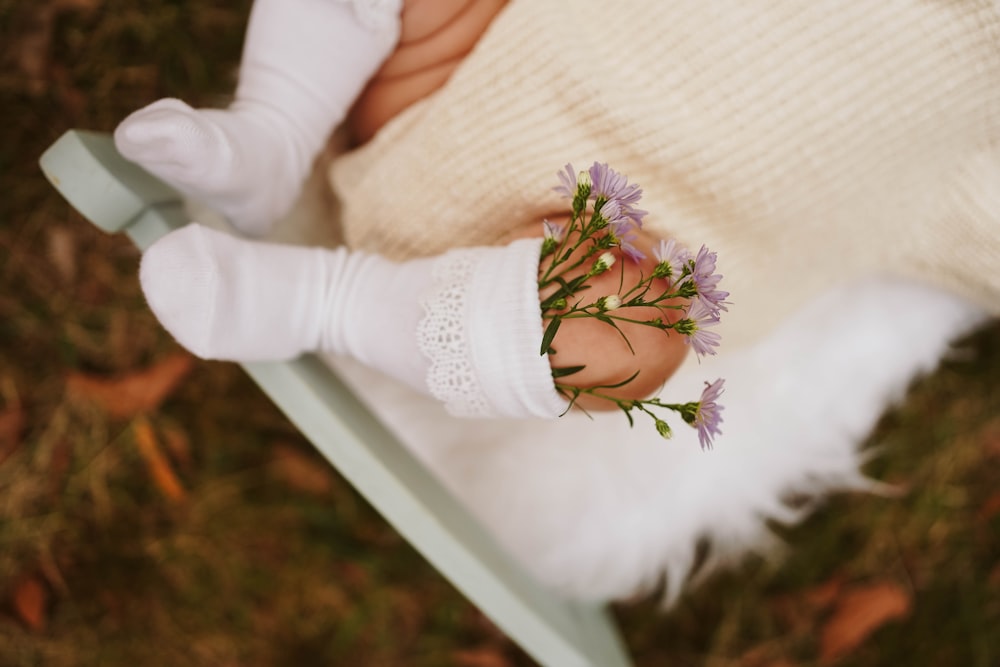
(118, 196)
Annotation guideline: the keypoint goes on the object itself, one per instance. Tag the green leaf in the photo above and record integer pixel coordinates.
(550, 333)
(567, 370)
(622, 383)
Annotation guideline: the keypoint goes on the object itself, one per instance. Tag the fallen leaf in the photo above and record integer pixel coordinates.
(178, 446)
(59, 464)
(820, 597)
(30, 600)
(763, 655)
(356, 577)
(991, 438)
(990, 508)
(480, 657)
(62, 252)
(860, 611)
(301, 471)
(134, 393)
(798, 611)
(12, 423)
(159, 468)
(994, 577)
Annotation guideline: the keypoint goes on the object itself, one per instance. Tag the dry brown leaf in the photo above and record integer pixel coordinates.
(798, 611)
(62, 252)
(994, 576)
(30, 600)
(159, 468)
(991, 438)
(12, 423)
(860, 611)
(487, 656)
(763, 655)
(59, 464)
(301, 471)
(990, 508)
(820, 597)
(178, 446)
(134, 393)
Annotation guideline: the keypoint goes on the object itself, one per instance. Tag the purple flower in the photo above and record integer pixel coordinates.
(553, 230)
(614, 213)
(623, 233)
(695, 328)
(708, 414)
(671, 257)
(553, 236)
(567, 182)
(631, 251)
(609, 184)
(705, 280)
(703, 268)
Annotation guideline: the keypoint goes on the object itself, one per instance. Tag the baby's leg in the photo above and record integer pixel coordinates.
(304, 63)
(233, 299)
(465, 326)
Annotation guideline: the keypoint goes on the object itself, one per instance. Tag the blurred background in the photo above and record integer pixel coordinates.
(157, 510)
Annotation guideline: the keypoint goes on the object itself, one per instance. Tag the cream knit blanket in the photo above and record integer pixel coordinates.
(808, 141)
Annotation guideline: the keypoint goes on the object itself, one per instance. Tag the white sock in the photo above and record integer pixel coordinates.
(304, 63)
(465, 326)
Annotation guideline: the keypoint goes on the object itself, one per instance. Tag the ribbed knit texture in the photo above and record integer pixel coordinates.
(808, 141)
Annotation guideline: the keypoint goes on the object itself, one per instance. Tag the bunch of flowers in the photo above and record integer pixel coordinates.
(604, 216)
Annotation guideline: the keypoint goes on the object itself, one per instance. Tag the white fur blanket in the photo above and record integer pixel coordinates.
(599, 511)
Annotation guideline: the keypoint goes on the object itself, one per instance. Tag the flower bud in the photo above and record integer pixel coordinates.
(549, 246)
(553, 230)
(663, 428)
(663, 270)
(609, 302)
(603, 263)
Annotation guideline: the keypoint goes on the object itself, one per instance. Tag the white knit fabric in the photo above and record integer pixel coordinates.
(482, 333)
(809, 142)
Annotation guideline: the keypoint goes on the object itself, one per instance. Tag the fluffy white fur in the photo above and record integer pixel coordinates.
(599, 511)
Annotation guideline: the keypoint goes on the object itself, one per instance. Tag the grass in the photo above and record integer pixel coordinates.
(268, 562)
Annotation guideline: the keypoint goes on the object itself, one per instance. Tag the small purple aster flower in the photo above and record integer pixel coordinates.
(695, 328)
(553, 230)
(706, 280)
(609, 184)
(567, 182)
(671, 257)
(553, 235)
(623, 234)
(708, 415)
(631, 251)
(703, 268)
(614, 213)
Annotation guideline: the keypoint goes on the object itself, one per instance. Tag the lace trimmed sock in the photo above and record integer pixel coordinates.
(304, 63)
(464, 326)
